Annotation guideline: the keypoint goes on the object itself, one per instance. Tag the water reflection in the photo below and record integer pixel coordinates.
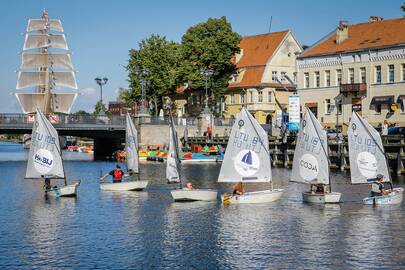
(147, 230)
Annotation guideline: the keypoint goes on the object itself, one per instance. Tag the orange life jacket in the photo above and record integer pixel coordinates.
(118, 174)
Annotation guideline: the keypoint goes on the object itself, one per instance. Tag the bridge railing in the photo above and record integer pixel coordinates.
(24, 120)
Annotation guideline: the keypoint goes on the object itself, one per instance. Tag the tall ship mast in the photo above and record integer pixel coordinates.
(46, 65)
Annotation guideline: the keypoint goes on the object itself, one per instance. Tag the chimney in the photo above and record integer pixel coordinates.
(376, 18)
(342, 32)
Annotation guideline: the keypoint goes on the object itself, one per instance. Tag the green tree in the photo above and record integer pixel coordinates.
(211, 44)
(81, 112)
(160, 57)
(99, 107)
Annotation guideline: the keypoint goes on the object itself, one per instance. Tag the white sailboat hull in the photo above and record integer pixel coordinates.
(65, 191)
(332, 197)
(194, 195)
(263, 196)
(395, 197)
(198, 160)
(124, 186)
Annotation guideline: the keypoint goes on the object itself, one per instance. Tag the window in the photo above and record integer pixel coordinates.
(242, 98)
(232, 98)
(391, 73)
(274, 76)
(283, 76)
(306, 79)
(317, 79)
(338, 77)
(351, 75)
(327, 78)
(363, 75)
(377, 74)
(260, 95)
(403, 72)
(251, 97)
(328, 106)
(269, 96)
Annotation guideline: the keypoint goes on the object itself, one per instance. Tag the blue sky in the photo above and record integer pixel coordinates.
(100, 33)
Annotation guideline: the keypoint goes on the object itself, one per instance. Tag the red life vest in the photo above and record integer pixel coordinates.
(118, 174)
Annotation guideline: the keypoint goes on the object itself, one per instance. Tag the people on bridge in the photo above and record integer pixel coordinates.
(117, 174)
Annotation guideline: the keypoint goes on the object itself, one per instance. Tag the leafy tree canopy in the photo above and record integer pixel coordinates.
(160, 58)
(211, 44)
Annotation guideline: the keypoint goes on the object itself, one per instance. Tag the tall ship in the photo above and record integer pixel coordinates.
(46, 67)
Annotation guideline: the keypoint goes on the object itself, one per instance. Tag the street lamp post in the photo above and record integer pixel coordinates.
(101, 82)
(142, 74)
(206, 73)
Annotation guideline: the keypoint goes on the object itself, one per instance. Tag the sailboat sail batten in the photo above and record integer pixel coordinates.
(41, 24)
(247, 156)
(39, 78)
(44, 60)
(36, 41)
(366, 151)
(44, 158)
(173, 161)
(131, 146)
(311, 162)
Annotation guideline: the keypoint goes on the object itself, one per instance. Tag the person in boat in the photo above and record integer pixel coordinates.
(377, 188)
(189, 186)
(238, 189)
(117, 174)
(47, 183)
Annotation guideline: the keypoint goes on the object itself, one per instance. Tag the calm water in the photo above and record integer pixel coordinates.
(146, 230)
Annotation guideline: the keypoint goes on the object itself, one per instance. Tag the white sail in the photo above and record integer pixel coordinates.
(247, 156)
(366, 151)
(46, 60)
(311, 162)
(173, 161)
(60, 102)
(39, 78)
(131, 145)
(44, 158)
(41, 24)
(36, 41)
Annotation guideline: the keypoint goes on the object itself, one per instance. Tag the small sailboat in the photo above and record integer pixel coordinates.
(367, 159)
(173, 173)
(247, 160)
(45, 157)
(311, 162)
(131, 148)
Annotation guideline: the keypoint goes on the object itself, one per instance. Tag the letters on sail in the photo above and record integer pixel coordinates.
(131, 146)
(310, 164)
(366, 151)
(44, 158)
(247, 157)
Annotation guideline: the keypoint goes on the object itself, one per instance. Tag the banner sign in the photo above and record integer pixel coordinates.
(294, 113)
